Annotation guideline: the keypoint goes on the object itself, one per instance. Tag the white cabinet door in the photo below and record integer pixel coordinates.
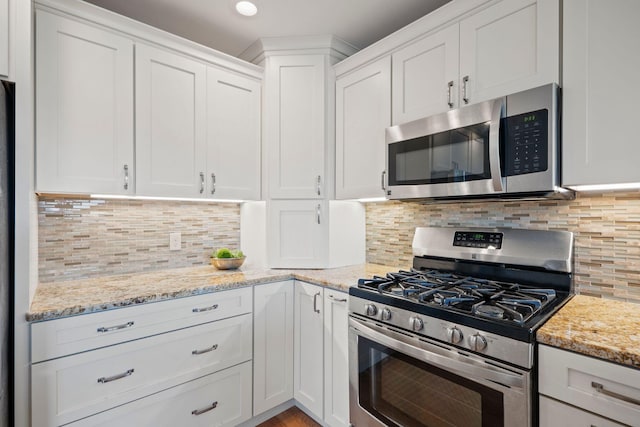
(336, 358)
(600, 95)
(425, 76)
(4, 38)
(511, 46)
(170, 124)
(84, 108)
(308, 353)
(558, 414)
(363, 111)
(297, 233)
(233, 136)
(222, 399)
(272, 345)
(295, 131)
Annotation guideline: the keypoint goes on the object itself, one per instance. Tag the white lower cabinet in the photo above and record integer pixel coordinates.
(130, 368)
(558, 414)
(336, 358)
(272, 345)
(308, 347)
(589, 389)
(220, 399)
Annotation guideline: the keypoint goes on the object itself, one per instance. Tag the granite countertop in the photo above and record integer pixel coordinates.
(68, 298)
(602, 328)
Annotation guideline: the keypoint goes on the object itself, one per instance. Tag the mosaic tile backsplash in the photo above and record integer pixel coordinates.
(606, 228)
(82, 238)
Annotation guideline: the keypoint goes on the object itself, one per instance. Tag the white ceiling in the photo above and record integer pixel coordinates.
(215, 23)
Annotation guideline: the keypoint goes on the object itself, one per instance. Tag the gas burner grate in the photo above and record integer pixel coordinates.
(492, 299)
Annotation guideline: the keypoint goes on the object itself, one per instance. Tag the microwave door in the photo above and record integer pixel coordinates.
(453, 154)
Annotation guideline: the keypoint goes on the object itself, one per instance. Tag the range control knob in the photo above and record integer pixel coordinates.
(416, 323)
(477, 342)
(386, 314)
(370, 310)
(454, 335)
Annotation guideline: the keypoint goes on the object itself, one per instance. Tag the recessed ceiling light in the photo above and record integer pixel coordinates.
(246, 8)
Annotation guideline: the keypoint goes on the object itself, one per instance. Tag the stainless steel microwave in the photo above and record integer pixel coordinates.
(506, 147)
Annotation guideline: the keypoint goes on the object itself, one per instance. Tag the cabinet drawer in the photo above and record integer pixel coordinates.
(73, 387)
(71, 335)
(228, 393)
(574, 378)
(558, 414)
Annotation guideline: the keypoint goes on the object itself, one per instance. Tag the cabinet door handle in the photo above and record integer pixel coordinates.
(200, 310)
(126, 177)
(382, 181)
(465, 98)
(318, 213)
(318, 181)
(115, 328)
(203, 410)
(213, 183)
(337, 299)
(600, 389)
(449, 100)
(104, 380)
(206, 350)
(201, 182)
(315, 302)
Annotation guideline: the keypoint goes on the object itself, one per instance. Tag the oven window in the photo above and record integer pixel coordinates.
(402, 391)
(457, 155)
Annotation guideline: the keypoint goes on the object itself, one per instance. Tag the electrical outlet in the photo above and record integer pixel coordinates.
(175, 241)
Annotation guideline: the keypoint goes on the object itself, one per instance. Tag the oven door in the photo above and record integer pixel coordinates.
(457, 153)
(399, 379)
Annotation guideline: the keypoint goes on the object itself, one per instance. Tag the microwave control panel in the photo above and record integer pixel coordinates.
(527, 143)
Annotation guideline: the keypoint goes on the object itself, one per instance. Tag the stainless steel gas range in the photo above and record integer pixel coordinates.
(451, 342)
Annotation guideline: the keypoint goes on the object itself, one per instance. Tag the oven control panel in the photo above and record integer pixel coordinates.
(478, 239)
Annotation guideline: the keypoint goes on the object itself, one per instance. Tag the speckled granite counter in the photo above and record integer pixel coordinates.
(60, 299)
(602, 328)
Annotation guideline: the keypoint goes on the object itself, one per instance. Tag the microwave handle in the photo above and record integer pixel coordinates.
(497, 112)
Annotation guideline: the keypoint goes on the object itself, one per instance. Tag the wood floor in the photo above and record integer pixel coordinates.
(292, 417)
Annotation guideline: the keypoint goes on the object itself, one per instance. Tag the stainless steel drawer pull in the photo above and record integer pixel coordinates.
(337, 299)
(449, 101)
(206, 350)
(382, 184)
(213, 183)
(104, 380)
(126, 177)
(318, 213)
(203, 410)
(115, 328)
(200, 310)
(315, 304)
(319, 181)
(600, 389)
(201, 182)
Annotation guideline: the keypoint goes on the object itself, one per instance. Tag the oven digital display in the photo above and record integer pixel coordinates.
(476, 239)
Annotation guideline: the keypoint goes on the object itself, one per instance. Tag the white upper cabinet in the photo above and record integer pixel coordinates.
(363, 111)
(295, 129)
(600, 70)
(233, 136)
(4, 38)
(298, 233)
(508, 47)
(84, 108)
(170, 124)
(425, 76)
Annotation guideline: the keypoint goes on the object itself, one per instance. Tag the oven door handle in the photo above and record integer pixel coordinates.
(464, 369)
(497, 112)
